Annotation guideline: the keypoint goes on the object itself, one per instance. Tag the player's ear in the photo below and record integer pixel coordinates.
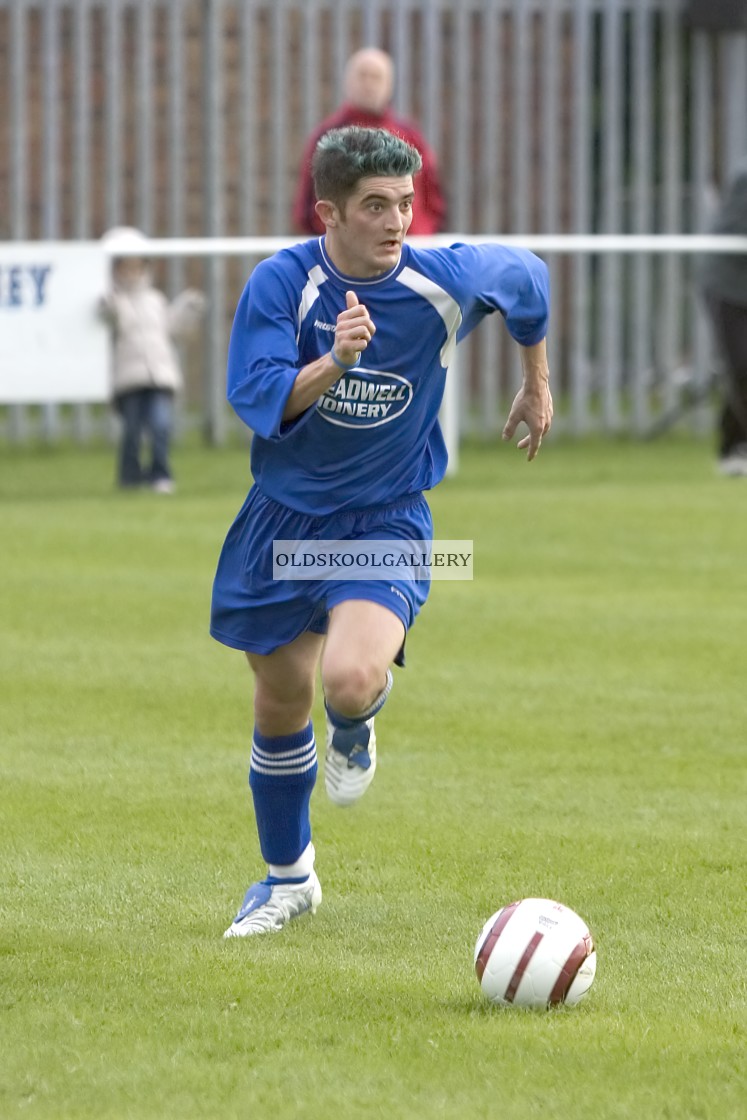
(327, 212)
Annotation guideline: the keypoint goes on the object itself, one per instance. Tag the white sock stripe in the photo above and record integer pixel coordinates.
(280, 763)
(297, 752)
(284, 762)
(278, 767)
(284, 770)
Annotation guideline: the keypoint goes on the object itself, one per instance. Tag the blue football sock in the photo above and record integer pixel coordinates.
(282, 774)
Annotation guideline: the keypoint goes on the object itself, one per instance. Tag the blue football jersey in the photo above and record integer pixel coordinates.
(374, 435)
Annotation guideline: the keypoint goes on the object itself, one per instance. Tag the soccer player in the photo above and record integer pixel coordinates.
(337, 363)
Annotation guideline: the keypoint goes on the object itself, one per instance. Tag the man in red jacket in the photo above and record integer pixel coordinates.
(369, 82)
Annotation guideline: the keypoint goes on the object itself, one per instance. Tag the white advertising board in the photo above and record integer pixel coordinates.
(53, 346)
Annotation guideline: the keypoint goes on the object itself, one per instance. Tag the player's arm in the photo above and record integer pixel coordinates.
(353, 332)
(516, 282)
(533, 402)
(265, 387)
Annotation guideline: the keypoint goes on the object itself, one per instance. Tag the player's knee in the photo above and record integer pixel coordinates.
(281, 708)
(351, 689)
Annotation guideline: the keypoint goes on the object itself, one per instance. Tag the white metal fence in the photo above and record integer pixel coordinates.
(186, 118)
(646, 404)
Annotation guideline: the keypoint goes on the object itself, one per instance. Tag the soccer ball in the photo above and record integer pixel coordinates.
(535, 953)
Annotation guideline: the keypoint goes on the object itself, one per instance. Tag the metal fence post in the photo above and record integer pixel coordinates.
(214, 420)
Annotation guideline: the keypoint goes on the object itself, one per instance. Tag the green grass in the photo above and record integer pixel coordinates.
(571, 724)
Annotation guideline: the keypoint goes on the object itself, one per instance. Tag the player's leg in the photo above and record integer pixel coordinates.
(282, 774)
(280, 625)
(363, 639)
(368, 623)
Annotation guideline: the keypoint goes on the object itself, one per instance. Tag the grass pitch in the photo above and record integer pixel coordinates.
(571, 724)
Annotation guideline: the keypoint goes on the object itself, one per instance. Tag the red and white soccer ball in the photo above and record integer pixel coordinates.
(535, 953)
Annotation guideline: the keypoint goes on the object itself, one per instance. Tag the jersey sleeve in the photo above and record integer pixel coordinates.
(510, 280)
(263, 358)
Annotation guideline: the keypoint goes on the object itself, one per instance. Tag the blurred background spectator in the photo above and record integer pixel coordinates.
(145, 369)
(723, 278)
(369, 84)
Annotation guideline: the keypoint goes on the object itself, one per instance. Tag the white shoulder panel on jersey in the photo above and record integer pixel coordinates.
(445, 305)
(310, 294)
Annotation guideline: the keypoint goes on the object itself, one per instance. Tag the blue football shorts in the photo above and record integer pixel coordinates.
(253, 611)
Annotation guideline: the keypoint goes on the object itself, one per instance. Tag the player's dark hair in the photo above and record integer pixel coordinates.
(343, 156)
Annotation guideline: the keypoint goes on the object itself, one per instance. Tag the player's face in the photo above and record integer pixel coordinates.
(366, 238)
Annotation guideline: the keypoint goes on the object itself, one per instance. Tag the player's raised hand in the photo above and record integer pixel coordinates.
(355, 329)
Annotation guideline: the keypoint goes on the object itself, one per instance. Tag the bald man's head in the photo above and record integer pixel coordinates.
(369, 80)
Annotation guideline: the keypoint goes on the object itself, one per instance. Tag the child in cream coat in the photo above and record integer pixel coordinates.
(145, 370)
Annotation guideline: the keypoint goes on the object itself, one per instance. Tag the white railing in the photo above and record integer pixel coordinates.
(600, 386)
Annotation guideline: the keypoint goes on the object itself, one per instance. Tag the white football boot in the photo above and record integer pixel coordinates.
(350, 762)
(267, 907)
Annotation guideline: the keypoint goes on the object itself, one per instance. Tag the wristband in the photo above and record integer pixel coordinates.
(342, 365)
